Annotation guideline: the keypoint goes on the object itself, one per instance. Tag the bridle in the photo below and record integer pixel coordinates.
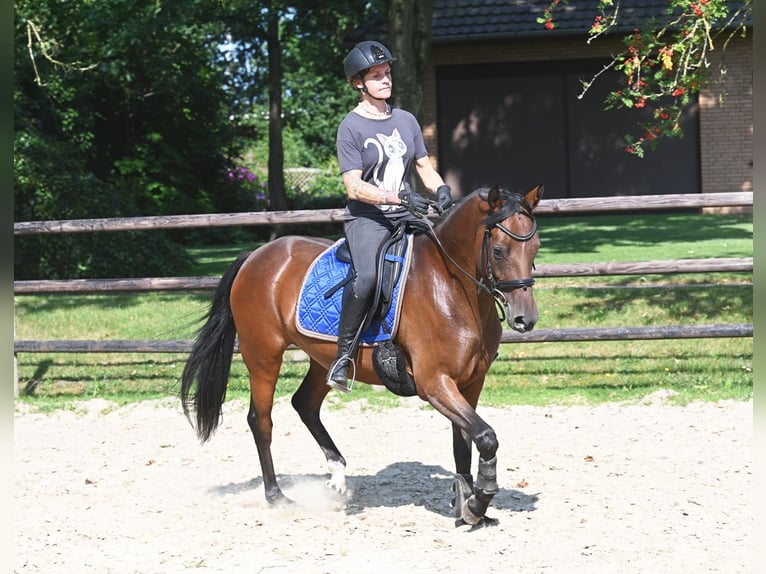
(490, 283)
(498, 289)
(508, 284)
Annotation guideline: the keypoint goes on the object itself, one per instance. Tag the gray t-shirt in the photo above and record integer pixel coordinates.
(383, 149)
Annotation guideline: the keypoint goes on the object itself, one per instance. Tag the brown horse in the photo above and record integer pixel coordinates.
(474, 263)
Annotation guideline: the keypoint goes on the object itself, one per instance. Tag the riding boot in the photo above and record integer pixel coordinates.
(352, 314)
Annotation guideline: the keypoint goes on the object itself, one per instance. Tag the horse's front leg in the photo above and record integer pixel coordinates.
(484, 489)
(473, 510)
(471, 498)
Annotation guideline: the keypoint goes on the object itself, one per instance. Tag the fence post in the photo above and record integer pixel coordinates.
(15, 360)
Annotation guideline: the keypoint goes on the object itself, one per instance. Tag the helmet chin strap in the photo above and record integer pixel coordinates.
(363, 89)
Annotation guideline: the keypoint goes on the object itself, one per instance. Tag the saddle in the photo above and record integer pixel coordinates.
(391, 261)
(320, 299)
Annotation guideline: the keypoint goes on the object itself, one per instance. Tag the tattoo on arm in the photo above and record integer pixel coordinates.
(364, 191)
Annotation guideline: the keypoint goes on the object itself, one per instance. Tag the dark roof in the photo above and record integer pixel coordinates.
(455, 20)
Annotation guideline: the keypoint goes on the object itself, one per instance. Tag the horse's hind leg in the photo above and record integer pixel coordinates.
(462, 446)
(307, 401)
(260, 426)
(263, 382)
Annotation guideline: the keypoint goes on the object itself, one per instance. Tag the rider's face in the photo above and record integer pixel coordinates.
(378, 82)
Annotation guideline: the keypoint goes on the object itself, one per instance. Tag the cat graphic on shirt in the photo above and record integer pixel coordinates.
(393, 149)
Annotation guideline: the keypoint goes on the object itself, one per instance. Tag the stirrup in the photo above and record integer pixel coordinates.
(346, 388)
(338, 386)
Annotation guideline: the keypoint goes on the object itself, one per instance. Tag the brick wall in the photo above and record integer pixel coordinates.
(726, 120)
(726, 106)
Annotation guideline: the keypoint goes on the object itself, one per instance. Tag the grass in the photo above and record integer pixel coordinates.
(524, 373)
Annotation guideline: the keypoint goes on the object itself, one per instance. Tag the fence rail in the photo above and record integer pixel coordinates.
(537, 336)
(712, 265)
(546, 206)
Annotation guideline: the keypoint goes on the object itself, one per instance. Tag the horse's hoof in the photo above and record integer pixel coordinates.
(336, 485)
(278, 499)
(337, 480)
(462, 491)
(281, 502)
(483, 522)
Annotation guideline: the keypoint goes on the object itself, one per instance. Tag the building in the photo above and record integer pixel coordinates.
(501, 106)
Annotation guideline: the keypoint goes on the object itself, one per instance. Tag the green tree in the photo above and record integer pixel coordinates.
(142, 108)
(409, 38)
(276, 153)
(118, 111)
(146, 112)
(289, 81)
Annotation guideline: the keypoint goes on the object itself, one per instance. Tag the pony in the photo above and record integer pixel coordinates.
(470, 271)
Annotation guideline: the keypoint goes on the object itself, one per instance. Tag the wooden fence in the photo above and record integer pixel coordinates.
(551, 206)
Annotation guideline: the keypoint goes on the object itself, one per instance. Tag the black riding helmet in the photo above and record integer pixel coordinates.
(364, 56)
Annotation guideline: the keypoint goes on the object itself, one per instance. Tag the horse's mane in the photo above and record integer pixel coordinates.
(513, 202)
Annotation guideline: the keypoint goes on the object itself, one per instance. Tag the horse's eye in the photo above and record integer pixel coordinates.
(498, 252)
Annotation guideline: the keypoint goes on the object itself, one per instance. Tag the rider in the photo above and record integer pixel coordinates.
(377, 146)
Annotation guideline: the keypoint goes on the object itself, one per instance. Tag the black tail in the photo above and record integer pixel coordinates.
(209, 362)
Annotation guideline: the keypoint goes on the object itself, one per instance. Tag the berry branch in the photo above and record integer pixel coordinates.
(664, 65)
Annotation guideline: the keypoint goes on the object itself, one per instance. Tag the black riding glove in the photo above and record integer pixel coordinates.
(412, 200)
(443, 197)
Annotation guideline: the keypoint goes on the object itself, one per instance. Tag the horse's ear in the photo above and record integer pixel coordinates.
(494, 197)
(534, 196)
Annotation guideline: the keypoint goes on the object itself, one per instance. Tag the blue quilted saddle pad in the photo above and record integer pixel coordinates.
(319, 316)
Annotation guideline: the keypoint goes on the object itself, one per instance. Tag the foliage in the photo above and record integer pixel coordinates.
(117, 112)
(314, 97)
(124, 254)
(664, 65)
(146, 114)
(316, 93)
(325, 191)
(128, 108)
